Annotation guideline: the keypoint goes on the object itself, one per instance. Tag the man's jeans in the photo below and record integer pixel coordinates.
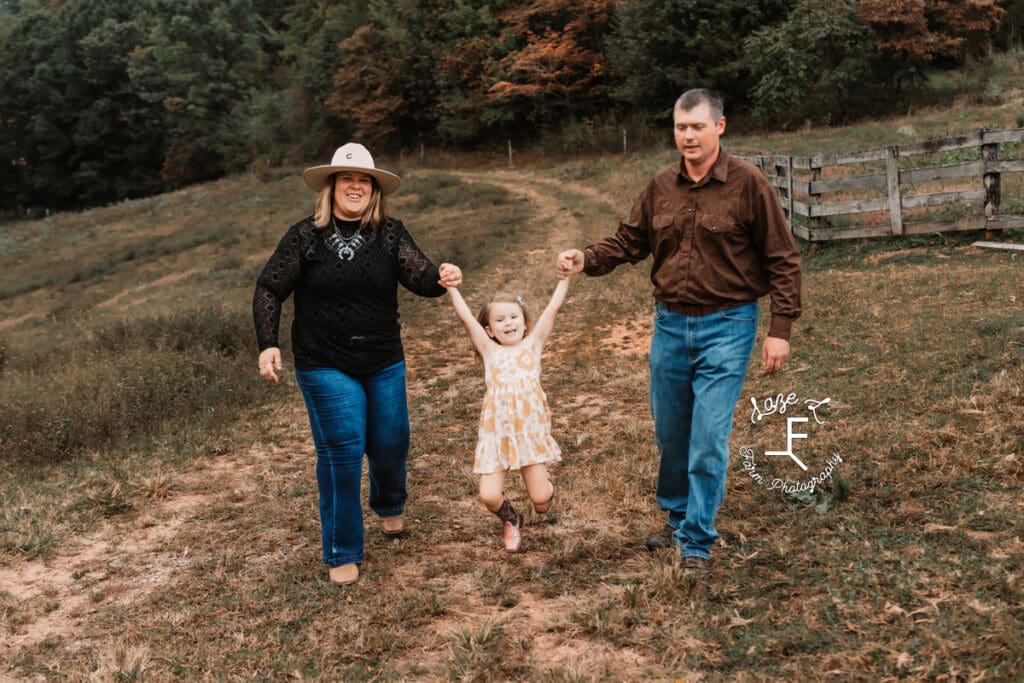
(698, 364)
(349, 417)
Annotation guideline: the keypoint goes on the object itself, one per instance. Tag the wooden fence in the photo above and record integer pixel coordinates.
(880, 192)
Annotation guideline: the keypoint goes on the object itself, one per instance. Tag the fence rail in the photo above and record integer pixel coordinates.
(823, 194)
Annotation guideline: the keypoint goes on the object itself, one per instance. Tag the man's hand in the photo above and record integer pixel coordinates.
(570, 262)
(774, 353)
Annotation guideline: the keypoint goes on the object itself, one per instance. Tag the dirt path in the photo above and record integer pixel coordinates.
(123, 559)
(552, 228)
(146, 290)
(548, 197)
(11, 322)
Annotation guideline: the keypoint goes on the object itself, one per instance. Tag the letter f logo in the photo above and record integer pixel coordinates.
(790, 435)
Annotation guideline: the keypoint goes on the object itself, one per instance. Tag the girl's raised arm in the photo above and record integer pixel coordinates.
(547, 319)
(477, 334)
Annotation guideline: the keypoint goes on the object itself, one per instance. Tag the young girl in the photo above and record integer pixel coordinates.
(515, 425)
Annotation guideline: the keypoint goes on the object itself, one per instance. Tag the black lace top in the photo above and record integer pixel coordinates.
(346, 311)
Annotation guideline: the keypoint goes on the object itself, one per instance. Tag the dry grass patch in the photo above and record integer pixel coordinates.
(190, 549)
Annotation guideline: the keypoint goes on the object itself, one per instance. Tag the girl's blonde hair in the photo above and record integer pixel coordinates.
(323, 210)
(504, 297)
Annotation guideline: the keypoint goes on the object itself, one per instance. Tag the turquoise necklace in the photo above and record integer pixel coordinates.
(346, 247)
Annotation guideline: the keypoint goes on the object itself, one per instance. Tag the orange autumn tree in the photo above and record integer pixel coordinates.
(924, 31)
(555, 67)
(365, 92)
(385, 85)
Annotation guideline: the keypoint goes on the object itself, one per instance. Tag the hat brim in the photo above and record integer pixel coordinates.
(316, 177)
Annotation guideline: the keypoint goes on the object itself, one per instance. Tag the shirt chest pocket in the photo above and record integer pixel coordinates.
(663, 221)
(717, 224)
(665, 231)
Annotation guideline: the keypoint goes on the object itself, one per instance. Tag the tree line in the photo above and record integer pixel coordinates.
(102, 100)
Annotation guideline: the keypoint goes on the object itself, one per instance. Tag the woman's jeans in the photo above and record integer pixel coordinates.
(698, 364)
(350, 416)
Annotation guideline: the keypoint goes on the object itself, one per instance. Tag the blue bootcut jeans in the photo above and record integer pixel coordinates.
(351, 416)
(698, 365)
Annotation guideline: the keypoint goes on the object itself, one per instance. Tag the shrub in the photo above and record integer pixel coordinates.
(132, 380)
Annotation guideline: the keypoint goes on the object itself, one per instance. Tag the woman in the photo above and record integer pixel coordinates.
(344, 264)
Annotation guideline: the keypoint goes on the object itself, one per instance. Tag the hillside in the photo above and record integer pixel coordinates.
(158, 504)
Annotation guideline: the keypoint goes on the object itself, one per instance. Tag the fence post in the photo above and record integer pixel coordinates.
(624, 148)
(780, 172)
(786, 193)
(789, 190)
(892, 180)
(510, 153)
(813, 200)
(423, 155)
(993, 191)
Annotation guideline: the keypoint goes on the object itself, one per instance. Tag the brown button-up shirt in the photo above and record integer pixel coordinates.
(716, 243)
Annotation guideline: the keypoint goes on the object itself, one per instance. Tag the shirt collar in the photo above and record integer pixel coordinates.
(719, 171)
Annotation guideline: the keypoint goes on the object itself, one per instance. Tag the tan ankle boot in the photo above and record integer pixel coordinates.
(345, 574)
(392, 526)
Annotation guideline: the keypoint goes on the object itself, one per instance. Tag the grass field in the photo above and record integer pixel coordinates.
(158, 504)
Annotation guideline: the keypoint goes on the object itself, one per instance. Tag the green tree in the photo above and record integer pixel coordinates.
(1011, 32)
(198, 62)
(314, 32)
(72, 130)
(817, 64)
(473, 43)
(31, 38)
(664, 47)
(103, 99)
(116, 153)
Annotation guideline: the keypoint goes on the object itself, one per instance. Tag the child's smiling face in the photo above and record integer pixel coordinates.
(506, 323)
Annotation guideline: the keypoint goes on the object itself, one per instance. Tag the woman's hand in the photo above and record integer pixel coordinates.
(451, 276)
(270, 360)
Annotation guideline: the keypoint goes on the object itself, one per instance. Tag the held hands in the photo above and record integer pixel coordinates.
(270, 360)
(451, 275)
(570, 262)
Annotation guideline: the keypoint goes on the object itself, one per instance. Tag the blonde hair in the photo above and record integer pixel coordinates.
(504, 297)
(323, 209)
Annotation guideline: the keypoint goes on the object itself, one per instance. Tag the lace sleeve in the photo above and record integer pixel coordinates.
(416, 272)
(275, 284)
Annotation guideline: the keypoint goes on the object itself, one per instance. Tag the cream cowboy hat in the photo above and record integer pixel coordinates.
(350, 157)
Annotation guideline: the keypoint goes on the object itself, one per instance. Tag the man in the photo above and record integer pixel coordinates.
(719, 242)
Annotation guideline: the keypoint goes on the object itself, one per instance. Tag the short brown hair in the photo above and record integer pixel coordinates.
(698, 96)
